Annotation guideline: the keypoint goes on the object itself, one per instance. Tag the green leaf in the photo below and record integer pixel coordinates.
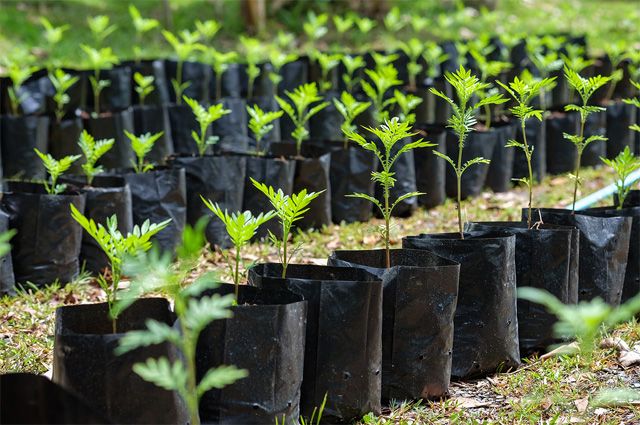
(169, 376)
(203, 311)
(219, 378)
(156, 333)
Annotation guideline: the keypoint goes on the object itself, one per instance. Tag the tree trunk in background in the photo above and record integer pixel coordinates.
(254, 13)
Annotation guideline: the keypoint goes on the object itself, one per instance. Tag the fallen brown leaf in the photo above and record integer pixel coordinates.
(581, 404)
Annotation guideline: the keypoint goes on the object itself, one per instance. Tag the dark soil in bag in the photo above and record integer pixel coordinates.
(477, 144)
(112, 125)
(595, 126)
(7, 278)
(546, 258)
(266, 337)
(155, 68)
(418, 305)
(63, 141)
(325, 125)
(343, 352)
(536, 137)
(84, 362)
(48, 240)
(604, 246)
(619, 117)
(182, 122)
(19, 136)
(501, 167)
(154, 119)
(430, 170)
(561, 153)
(219, 179)
(485, 336)
(117, 96)
(198, 75)
(33, 399)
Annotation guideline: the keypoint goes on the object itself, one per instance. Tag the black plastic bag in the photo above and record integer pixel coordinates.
(343, 351)
(231, 129)
(117, 95)
(561, 153)
(501, 166)
(405, 175)
(477, 144)
(485, 335)
(230, 85)
(154, 68)
(48, 240)
(219, 179)
(418, 305)
(63, 141)
(546, 258)
(84, 362)
(535, 131)
(7, 278)
(153, 119)
(604, 246)
(182, 123)
(430, 170)
(33, 399)
(595, 125)
(19, 136)
(619, 117)
(433, 109)
(326, 124)
(112, 126)
(198, 75)
(31, 94)
(293, 74)
(266, 337)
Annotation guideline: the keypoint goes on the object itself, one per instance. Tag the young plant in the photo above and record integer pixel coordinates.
(462, 122)
(102, 59)
(635, 102)
(585, 87)
(343, 25)
(349, 108)
(205, 118)
(93, 150)
(488, 69)
(61, 82)
(434, 56)
(352, 63)
(406, 103)
(141, 146)
(389, 135)
(18, 74)
(260, 123)
(184, 46)
(241, 227)
(383, 79)
(315, 27)
(414, 49)
(617, 52)
(302, 98)
(144, 86)
(116, 247)
(207, 30)
(364, 26)
(327, 64)
(288, 209)
(278, 59)
(153, 273)
(624, 164)
(55, 168)
(53, 36)
(220, 62)
(253, 51)
(523, 91)
(545, 63)
(142, 26)
(394, 21)
(100, 28)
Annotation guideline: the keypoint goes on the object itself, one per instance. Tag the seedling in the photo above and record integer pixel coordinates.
(624, 164)
(617, 52)
(545, 63)
(260, 123)
(253, 49)
(383, 79)
(220, 62)
(389, 135)
(382, 59)
(288, 209)
(635, 102)
(434, 56)
(184, 46)
(406, 103)
(100, 28)
(205, 118)
(144, 86)
(241, 228)
(327, 64)
(302, 98)
(18, 74)
(141, 146)
(364, 26)
(142, 26)
(5, 237)
(116, 246)
(394, 21)
(93, 150)
(154, 273)
(207, 30)
(488, 69)
(53, 36)
(349, 108)
(523, 91)
(462, 49)
(278, 59)
(585, 88)
(55, 168)
(414, 49)
(61, 82)
(102, 59)
(342, 24)
(315, 27)
(352, 64)
(418, 23)
(462, 122)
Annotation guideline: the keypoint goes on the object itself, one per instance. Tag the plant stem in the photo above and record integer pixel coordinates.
(178, 88)
(236, 276)
(285, 260)
(188, 349)
(579, 159)
(218, 85)
(487, 112)
(387, 218)
(96, 93)
(527, 154)
(459, 178)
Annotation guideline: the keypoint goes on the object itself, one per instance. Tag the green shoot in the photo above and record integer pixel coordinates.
(545, 63)
(220, 62)
(144, 86)
(18, 74)
(253, 53)
(241, 227)
(100, 28)
(142, 26)
(208, 29)
(327, 63)
(617, 52)
(394, 21)
(635, 102)
(102, 59)
(585, 88)
(93, 150)
(414, 49)
(462, 122)
(488, 69)
(205, 118)
(302, 98)
(142, 145)
(349, 108)
(389, 135)
(434, 56)
(288, 209)
(5, 237)
(278, 59)
(52, 34)
(55, 168)
(61, 82)
(383, 78)
(260, 123)
(624, 164)
(184, 46)
(342, 24)
(352, 64)
(406, 103)
(315, 27)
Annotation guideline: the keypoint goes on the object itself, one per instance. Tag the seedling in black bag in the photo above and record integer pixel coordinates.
(55, 168)
(624, 164)
(463, 121)
(52, 34)
(434, 56)
(5, 245)
(414, 49)
(93, 150)
(116, 246)
(253, 51)
(219, 61)
(585, 88)
(141, 146)
(102, 59)
(278, 59)
(260, 123)
(634, 101)
(617, 53)
(144, 86)
(349, 108)
(18, 73)
(383, 78)
(488, 69)
(184, 46)
(523, 91)
(61, 82)
(154, 273)
(406, 103)
(288, 209)
(352, 63)
(389, 135)
(100, 28)
(241, 227)
(142, 26)
(205, 118)
(302, 98)
(327, 63)
(208, 29)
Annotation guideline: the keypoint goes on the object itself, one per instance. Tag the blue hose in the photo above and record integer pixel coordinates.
(596, 197)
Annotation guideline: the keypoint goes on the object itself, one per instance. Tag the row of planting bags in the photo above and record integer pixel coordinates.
(355, 331)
